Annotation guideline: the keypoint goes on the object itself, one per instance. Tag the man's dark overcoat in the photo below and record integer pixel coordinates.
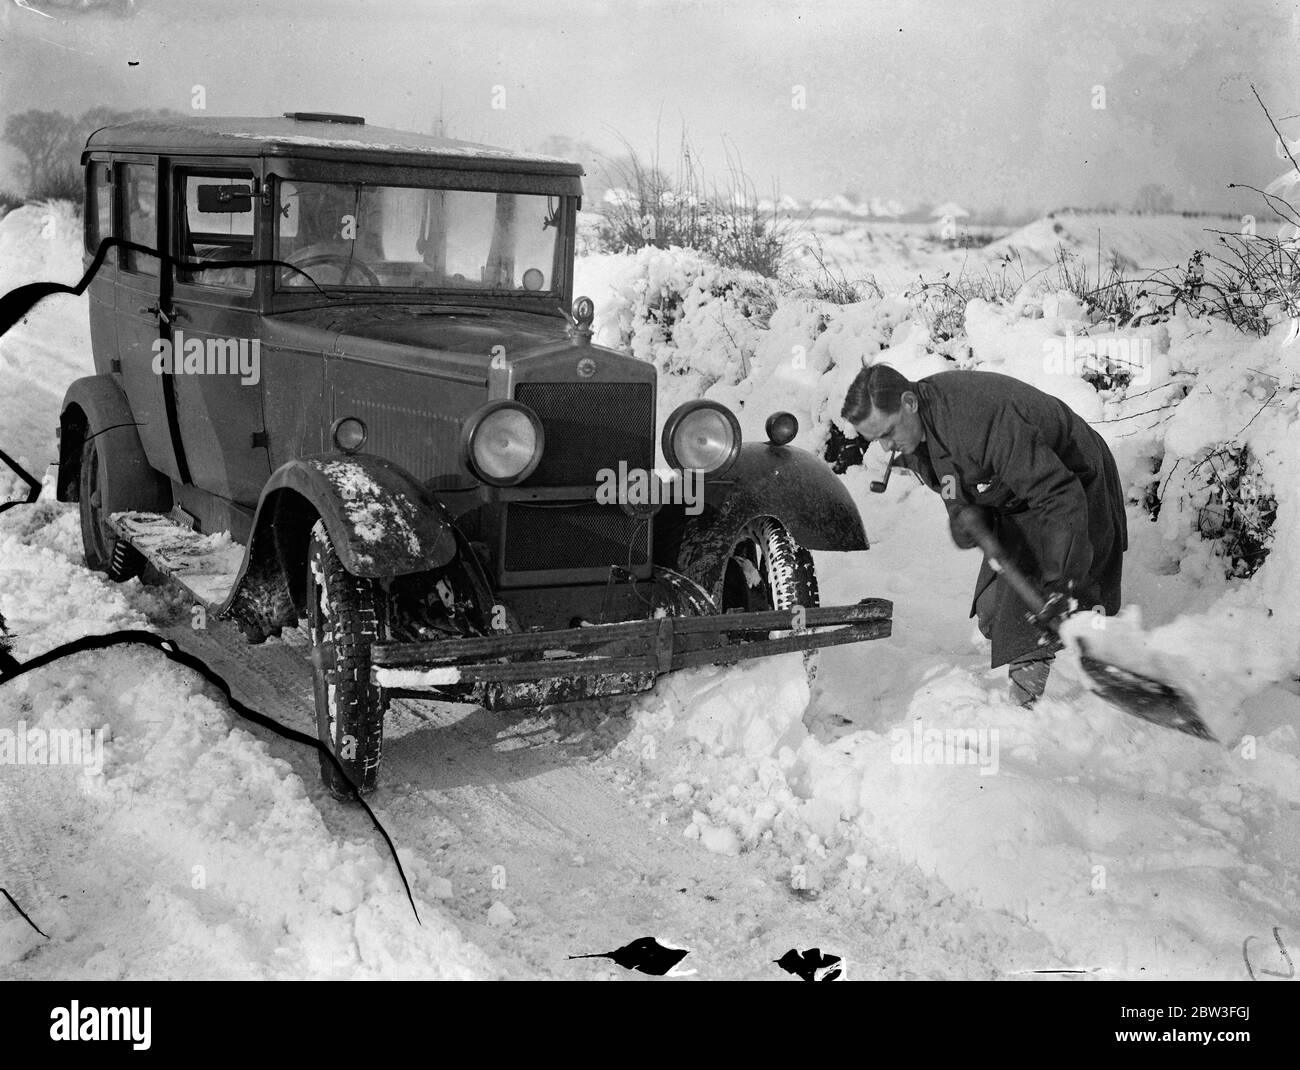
(1045, 477)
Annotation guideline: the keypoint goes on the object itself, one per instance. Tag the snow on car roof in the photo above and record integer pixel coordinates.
(319, 139)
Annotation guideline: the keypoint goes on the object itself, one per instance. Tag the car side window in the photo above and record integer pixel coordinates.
(218, 226)
(138, 189)
(99, 206)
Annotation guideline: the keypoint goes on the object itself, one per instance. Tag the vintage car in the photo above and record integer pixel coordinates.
(340, 379)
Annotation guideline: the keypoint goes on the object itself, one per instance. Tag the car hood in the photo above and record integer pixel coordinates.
(464, 344)
(463, 332)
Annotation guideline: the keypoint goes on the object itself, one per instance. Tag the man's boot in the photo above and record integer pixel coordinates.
(1028, 678)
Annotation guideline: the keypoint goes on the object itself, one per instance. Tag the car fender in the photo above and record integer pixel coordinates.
(784, 482)
(381, 519)
(96, 405)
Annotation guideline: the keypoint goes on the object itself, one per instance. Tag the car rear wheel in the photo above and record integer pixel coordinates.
(345, 617)
(104, 551)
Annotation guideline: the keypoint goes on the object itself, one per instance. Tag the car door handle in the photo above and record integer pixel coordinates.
(164, 316)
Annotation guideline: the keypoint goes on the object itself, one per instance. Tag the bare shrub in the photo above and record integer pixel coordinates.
(1253, 280)
(670, 203)
(58, 184)
(830, 282)
(942, 303)
(1107, 296)
(1235, 508)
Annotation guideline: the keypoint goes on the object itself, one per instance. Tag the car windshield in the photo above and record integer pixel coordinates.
(361, 236)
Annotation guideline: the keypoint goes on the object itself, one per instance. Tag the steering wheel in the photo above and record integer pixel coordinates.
(345, 264)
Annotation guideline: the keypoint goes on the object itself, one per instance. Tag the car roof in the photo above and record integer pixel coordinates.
(313, 138)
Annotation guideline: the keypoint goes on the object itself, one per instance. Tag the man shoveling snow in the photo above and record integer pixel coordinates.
(1041, 479)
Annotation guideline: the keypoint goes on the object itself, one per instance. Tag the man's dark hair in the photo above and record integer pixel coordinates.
(877, 388)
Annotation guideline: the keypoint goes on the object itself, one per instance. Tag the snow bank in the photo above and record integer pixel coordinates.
(47, 597)
(192, 852)
(730, 336)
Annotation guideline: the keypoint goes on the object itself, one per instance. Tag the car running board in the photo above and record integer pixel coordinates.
(207, 566)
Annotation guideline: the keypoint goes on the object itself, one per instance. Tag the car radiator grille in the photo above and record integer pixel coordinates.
(579, 535)
(590, 426)
(587, 427)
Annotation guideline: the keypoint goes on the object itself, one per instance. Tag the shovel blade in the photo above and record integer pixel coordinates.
(1145, 697)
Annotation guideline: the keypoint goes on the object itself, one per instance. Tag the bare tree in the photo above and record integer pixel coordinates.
(42, 138)
(51, 144)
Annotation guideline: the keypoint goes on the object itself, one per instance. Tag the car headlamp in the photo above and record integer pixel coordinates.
(702, 435)
(503, 443)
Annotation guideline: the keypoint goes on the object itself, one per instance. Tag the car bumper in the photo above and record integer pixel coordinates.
(510, 671)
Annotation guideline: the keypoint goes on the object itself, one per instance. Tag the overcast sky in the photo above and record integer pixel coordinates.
(988, 102)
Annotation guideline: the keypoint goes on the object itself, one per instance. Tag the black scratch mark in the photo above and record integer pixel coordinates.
(21, 911)
(808, 964)
(33, 484)
(1286, 957)
(646, 955)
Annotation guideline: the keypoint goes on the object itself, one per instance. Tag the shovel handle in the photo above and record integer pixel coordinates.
(972, 523)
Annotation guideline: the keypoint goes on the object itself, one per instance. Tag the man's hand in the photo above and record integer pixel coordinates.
(1059, 605)
(965, 520)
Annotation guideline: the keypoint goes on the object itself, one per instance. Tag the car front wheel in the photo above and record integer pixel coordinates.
(769, 570)
(345, 617)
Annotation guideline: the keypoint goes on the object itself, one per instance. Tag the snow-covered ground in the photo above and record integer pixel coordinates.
(1067, 837)
(191, 851)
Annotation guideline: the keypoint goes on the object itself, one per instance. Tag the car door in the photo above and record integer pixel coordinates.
(215, 324)
(139, 318)
(101, 293)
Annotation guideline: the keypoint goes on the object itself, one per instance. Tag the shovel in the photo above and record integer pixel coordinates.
(1142, 696)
